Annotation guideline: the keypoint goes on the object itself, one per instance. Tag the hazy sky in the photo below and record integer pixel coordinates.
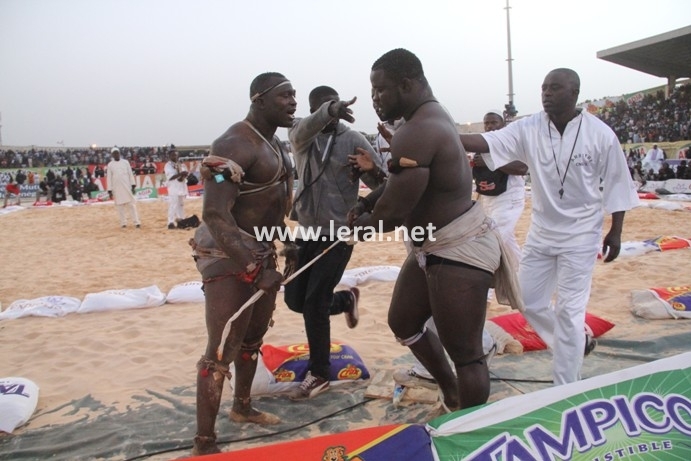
(155, 72)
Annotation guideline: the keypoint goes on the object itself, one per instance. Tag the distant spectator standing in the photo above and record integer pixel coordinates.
(121, 188)
(20, 177)
(176, 177)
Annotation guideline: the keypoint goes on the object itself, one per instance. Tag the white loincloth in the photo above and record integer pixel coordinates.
(472, 239)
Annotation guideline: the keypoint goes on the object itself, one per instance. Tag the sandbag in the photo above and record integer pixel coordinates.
(46, 306)
(18, 399)
(188, 292)
(122, 299)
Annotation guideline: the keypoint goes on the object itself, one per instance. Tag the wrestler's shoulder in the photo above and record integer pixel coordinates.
(237, 138)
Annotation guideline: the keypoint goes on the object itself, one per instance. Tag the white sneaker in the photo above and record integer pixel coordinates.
(408, 378)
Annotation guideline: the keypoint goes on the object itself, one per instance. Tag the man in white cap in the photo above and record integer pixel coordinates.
(121, 188)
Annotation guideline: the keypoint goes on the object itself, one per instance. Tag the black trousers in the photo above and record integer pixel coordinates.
(311, 294)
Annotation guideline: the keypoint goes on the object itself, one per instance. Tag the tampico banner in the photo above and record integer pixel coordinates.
(640, 413)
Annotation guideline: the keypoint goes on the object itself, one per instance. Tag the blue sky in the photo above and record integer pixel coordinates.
(154, 72)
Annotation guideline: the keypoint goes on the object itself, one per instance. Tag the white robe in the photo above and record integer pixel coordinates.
(120, 181)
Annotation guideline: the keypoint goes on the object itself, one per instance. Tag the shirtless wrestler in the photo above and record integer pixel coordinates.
(248, 183)
(448, 274)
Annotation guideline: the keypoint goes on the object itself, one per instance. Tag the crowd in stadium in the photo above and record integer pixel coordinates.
(652, 118)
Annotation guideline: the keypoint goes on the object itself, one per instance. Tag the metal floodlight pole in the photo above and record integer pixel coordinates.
(510, 111)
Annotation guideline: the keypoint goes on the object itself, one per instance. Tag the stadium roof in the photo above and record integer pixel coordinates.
(665, 55)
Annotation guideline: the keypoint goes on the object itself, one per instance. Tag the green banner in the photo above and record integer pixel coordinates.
(643, 417)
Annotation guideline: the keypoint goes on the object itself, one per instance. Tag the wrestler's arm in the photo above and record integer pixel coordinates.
(220, 198)
(365, 204)
(403, 190)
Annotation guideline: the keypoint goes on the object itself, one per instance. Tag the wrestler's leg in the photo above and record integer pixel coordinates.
(222, 299)
(246, 363)
(409, 311)
(458, 298)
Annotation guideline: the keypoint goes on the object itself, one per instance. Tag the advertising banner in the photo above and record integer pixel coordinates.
(641, 413)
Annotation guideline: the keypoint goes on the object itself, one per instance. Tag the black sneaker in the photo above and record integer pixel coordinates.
(171, 226)
(352, 314)
(310, 387)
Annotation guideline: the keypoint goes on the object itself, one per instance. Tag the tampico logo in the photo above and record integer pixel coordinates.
(304, 348)
(284, 376)
(350, 372)
(298, 348)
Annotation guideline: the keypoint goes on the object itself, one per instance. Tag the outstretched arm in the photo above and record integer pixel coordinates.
(474, 143)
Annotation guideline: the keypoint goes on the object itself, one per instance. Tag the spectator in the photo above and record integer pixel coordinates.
(665, 172)
(12, 188)
(680, 173)
(44, 190)
(121, 188)
(654, 158)
(176, 177)
(326, 192)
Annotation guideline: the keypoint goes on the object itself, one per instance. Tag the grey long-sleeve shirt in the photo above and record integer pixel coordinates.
(327, 197)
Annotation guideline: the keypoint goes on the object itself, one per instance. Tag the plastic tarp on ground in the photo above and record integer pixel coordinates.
(641, 413)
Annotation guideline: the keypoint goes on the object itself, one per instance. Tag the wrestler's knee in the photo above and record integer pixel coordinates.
(208, 367)
(399, 325)
(402, 327)
(249, 351)
(410, 340)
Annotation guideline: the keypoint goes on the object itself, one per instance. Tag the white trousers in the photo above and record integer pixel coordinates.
(175, 208)
(555, 285)
(506, 210)
(123, 208)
